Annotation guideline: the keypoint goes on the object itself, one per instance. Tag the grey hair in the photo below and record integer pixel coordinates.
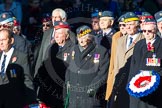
(67, 32)
(61, 11)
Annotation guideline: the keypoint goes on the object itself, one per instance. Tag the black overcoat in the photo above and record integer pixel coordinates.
(86, 73)
(138, 62)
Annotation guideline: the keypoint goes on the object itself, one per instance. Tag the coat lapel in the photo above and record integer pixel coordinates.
(13, 57)
(140, 36)
(124, 44)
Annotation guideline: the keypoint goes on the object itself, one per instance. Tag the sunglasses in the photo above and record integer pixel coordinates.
(95, 21)
(4, 26)
(47, 25)
(149, 31)
(120, 25)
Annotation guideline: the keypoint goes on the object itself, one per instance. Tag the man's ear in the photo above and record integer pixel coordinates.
(112, 22)
(67, 36)
(12, 40)
(64, 19)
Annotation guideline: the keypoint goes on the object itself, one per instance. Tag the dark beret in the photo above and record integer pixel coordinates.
(83, 30)
(61, 24)
(158, 16)
(106, 14)
(130, 16)
(6, 17)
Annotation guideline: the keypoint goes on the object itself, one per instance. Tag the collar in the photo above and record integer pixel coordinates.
(107, 31)
(133, 36)
(152, 41)
(9, 52)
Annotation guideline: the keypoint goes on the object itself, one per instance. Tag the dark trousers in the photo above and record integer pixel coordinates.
(9, 98)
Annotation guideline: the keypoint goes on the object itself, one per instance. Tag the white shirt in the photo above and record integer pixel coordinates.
(107, 32)
(128, 39)
(9, 54)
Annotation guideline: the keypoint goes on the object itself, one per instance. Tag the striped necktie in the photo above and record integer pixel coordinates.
(3, 65)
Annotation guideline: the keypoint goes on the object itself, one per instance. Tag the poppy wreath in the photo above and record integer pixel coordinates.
(143, 84)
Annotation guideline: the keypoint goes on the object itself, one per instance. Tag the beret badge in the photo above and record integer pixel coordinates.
(100, 13)
(160, 14)
(82, 33)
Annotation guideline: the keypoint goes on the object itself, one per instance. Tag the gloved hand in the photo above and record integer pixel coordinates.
(91, 92)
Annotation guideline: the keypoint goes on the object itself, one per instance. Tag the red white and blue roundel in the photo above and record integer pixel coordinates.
(143, 84)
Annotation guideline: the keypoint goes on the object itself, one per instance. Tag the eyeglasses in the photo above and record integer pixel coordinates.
(47, 25)
(120, 25)
(4, 26)
(149, 31)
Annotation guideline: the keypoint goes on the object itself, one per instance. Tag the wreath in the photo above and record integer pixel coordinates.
(143, 84)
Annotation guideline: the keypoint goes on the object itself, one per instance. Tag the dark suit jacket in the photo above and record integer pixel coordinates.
(51, 75)
(44, 45)
(17, 82)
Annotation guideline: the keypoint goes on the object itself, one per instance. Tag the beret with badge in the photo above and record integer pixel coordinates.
(145, 15)
(46, 17)
(6, 17)
(158, 16)
(149, 21)
(130, 16)
(83, 30)
(106, 14)
(61, 24)
(95, 14)
(121, 18)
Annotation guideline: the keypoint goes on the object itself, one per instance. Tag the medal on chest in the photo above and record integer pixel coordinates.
(96, 58)
(65, 56)
(13, 73)
(152, 61)
(73, 54)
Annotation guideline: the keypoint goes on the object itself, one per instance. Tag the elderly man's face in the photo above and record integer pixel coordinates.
(104, 23)
(56, 17)
(131, 27)
(95, 23)
(122, 27)
(5, 41)
(60, 36)
(159, 25)
(149, 31)
(83, 41)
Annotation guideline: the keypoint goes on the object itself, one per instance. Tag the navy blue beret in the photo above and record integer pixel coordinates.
(46, 17)
(158, 16)
(130, 16)
(150, 20)
(121, 18)
(106, 14)
(95, 13)
(6, 17)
